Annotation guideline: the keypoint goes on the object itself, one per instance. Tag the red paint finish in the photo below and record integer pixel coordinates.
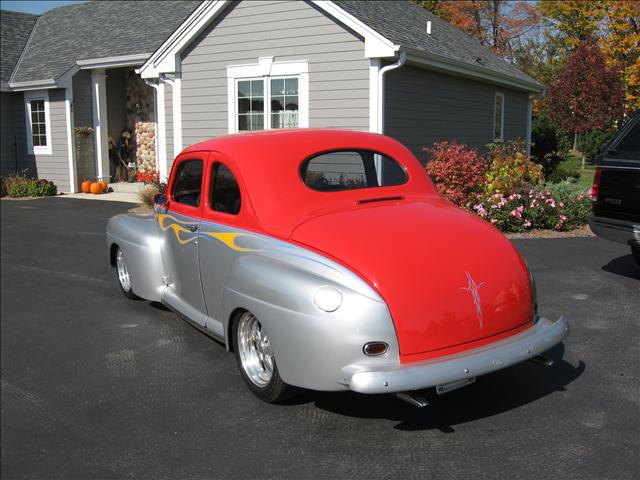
(417, 254)
(451, 281)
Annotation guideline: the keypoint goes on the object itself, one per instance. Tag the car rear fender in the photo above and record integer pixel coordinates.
(140, 240)
(311, 346)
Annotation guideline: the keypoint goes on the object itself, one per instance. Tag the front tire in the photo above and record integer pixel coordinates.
(122, 274)
(257, 364)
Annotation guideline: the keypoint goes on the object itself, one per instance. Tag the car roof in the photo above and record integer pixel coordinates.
(269, 164)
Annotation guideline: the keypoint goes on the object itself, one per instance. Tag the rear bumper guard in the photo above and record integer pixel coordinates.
(542, 336)
(619, 231)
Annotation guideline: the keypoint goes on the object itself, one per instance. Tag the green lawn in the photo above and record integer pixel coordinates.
(574, 162)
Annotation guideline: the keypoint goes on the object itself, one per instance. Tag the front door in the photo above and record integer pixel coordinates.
(180, 225)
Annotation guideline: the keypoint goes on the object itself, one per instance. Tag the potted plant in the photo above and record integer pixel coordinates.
(132, 171)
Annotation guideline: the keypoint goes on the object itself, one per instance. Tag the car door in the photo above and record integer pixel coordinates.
(224, 216)
(180, 224)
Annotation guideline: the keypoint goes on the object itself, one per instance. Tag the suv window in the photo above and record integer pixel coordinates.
(351, 169)
(629, 146)
(225, 193)
(188, 184)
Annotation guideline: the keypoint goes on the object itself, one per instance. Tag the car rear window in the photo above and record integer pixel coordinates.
(350, 170)
(629, 145)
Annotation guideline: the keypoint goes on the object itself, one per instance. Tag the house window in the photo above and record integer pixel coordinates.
(281, 110)
(498, 117)
(268, 95)
(38, 123)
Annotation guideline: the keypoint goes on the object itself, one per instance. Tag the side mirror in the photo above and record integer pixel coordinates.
(160, 203)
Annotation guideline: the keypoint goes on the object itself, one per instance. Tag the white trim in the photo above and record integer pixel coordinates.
(163, 60)
(529, 119)
(375, 45)
(374, 67)
(101, 136)
(176, 103)
(267, 69)
(73, 174)
(450, 65)
(28, 98)
(111, 62)
(496, 95)
(33, 85)
(161, 133)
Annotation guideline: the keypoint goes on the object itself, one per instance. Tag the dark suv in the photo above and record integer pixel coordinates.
(616, 189)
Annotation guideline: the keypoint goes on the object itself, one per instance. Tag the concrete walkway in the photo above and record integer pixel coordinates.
(111, 196)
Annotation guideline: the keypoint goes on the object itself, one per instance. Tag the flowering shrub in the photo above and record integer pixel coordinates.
(511, 170)
(148, 176)
(458, 173)
(33, 188)
(560, 206)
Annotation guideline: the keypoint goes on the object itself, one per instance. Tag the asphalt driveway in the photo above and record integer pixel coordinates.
(98, 386)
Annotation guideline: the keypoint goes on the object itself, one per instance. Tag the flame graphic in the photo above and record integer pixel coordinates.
(229, 239)
(177, 228)
(473, 288)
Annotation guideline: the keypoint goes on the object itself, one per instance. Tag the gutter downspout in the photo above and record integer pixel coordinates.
(381, 72)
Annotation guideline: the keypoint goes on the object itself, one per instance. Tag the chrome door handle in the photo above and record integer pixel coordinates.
(193, 227)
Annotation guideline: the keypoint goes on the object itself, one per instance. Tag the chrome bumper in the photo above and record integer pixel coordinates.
(619, 231)
(501, 354)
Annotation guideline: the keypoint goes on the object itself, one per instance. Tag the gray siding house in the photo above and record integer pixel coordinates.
(175, 73)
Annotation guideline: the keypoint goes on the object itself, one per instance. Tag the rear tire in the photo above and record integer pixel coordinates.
(122, 274)
(255, 359)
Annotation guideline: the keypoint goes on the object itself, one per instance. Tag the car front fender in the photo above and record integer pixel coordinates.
(140, 240)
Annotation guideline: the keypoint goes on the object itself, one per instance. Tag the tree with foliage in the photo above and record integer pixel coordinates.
(585, 94)
(572, 22)
(499, 25)
(620, 44)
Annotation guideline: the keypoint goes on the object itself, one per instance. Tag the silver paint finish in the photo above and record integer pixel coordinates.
(138, 237)
(235, 270)
(496, 356)
(181, 263)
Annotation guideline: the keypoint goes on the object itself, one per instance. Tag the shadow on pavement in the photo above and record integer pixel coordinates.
(491, 395)
(624, 266)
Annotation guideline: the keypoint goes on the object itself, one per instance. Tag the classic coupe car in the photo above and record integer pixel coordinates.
(325, 259)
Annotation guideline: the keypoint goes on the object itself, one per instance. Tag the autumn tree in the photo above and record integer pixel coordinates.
(620, 44)
(586, 93)
(499, 25)
(572, 22)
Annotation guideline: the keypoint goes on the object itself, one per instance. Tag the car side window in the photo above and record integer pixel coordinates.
(350, 170)
(225, 193)
(188, 184)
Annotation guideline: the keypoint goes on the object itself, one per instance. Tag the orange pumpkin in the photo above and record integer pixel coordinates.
(96, 188)
(104, 185)
(86, 186)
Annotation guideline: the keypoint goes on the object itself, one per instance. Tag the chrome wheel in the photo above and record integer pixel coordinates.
(254, 348)
(123, 273)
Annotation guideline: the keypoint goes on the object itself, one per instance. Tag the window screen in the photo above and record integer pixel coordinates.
(188, 183)
(351, 169)
(225, 193)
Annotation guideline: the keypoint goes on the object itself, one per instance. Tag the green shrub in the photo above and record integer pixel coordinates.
(593, 143)
(32, 188)
(563, 172)
(510, 169)
(560, 206)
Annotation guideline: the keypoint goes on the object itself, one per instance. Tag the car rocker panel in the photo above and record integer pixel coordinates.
(372, 293)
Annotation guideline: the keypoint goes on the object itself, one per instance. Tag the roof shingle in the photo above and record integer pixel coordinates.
(95, 30)
(15, 29)
(405, 23)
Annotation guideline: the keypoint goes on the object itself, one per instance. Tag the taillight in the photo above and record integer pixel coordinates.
(595, 187)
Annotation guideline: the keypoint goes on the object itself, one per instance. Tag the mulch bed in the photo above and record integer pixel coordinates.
(583, 231)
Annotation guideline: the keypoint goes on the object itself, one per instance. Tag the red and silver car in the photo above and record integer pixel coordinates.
(326, 260)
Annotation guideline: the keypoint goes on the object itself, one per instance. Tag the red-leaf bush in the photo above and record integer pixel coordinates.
(459, 174)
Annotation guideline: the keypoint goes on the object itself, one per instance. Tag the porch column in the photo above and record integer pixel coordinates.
(161, 136)
(100, 133)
